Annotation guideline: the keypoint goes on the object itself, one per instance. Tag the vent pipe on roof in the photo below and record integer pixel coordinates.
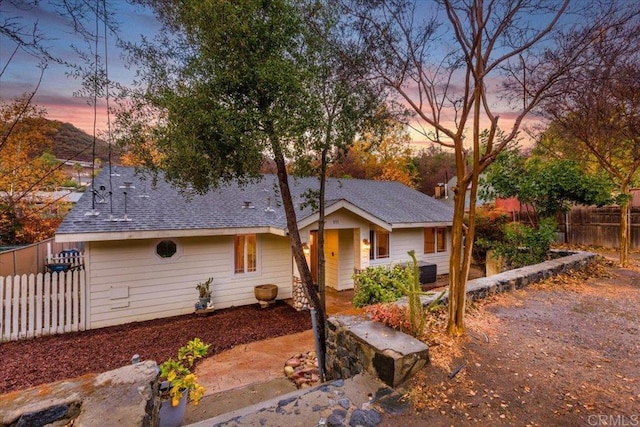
(269, 208)
(144, 194)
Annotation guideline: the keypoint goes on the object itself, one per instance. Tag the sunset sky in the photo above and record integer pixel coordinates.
(56, 92)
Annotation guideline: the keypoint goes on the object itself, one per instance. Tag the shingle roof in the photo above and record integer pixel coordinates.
(162, 207)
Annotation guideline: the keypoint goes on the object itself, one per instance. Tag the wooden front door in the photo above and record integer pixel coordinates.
(313, 255)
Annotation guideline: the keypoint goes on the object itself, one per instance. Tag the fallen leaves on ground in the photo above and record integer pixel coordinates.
(543, 355)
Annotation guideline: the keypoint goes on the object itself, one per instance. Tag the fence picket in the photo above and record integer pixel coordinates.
(82, 301)
(15, 304)
(68, 295)
(31, 312)
(6, 303)
(39, 300)
(2, 307)
(41, 304)
(54, 304)
(23, 306)
(46, 327)
(76, 299)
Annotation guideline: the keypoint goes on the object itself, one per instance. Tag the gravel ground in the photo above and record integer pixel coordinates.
(559, 353)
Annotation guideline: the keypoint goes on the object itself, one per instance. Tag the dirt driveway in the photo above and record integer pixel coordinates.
(561, 353)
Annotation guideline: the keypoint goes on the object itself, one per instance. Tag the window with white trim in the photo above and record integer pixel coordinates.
(435, 240)
(245, 253)
(379, 244)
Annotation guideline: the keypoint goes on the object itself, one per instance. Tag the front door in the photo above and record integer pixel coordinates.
(313, 255)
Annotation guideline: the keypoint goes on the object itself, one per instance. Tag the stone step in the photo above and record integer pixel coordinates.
(354, 401)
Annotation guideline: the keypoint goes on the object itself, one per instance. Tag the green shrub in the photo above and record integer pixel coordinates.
(380, 284)
(409, 319)
(490, 224)
(525, 245)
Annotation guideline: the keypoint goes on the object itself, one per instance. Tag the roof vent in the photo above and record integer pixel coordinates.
(128, 184)
(269, 208)
(144, 194)
(248, 205)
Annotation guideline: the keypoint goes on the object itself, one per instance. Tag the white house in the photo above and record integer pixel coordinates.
(147, 246)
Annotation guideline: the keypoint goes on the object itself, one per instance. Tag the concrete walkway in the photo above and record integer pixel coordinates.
(259, 361)
(253, 373)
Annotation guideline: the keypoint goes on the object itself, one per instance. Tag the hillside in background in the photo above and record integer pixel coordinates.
(69, 142)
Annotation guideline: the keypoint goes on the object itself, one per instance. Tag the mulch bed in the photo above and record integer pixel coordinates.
(31, 362)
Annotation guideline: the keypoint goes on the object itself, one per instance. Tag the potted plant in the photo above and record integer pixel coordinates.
(178, 384)
(204, 293)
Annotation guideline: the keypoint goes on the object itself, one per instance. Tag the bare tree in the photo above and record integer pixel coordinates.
(598, 118)
(456, 64)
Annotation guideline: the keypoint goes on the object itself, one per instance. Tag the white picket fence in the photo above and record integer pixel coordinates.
(42, 304)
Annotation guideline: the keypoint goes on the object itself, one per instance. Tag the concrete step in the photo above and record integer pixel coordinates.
(355, 401)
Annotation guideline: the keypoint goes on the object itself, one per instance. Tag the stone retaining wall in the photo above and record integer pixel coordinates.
(127, 396)
(519, 277)
(355, 345)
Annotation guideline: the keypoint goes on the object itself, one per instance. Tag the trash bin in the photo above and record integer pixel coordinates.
(428, 272)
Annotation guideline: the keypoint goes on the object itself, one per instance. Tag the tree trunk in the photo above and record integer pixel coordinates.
(321, 258)
(624, 231)
(457, 280)
(296, 246)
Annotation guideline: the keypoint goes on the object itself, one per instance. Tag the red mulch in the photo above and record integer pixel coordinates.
(27, 363)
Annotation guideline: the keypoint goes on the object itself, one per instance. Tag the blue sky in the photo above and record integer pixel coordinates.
(56, 92)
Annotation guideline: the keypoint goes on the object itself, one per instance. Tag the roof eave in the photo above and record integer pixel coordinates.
(163, 234)
(422, 224)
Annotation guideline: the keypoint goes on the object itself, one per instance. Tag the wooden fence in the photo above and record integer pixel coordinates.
(599, 226)
(32, 259)
(42, 304)
(592, 226)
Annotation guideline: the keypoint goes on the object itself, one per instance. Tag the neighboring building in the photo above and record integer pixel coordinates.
(446, 193)
(78, 171)
(143, 261)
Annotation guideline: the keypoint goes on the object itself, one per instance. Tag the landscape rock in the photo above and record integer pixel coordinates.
(365, 418)
(302, 369)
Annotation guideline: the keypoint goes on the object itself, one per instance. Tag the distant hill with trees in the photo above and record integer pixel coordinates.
(71, 143)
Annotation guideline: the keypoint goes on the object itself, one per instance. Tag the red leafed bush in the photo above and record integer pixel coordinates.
(392, 315)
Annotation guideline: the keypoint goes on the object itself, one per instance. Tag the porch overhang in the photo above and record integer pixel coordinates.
(343, 204)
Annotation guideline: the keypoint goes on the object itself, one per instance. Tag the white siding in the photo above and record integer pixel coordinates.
(403, 240)
(129, 282)
(342, 219)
